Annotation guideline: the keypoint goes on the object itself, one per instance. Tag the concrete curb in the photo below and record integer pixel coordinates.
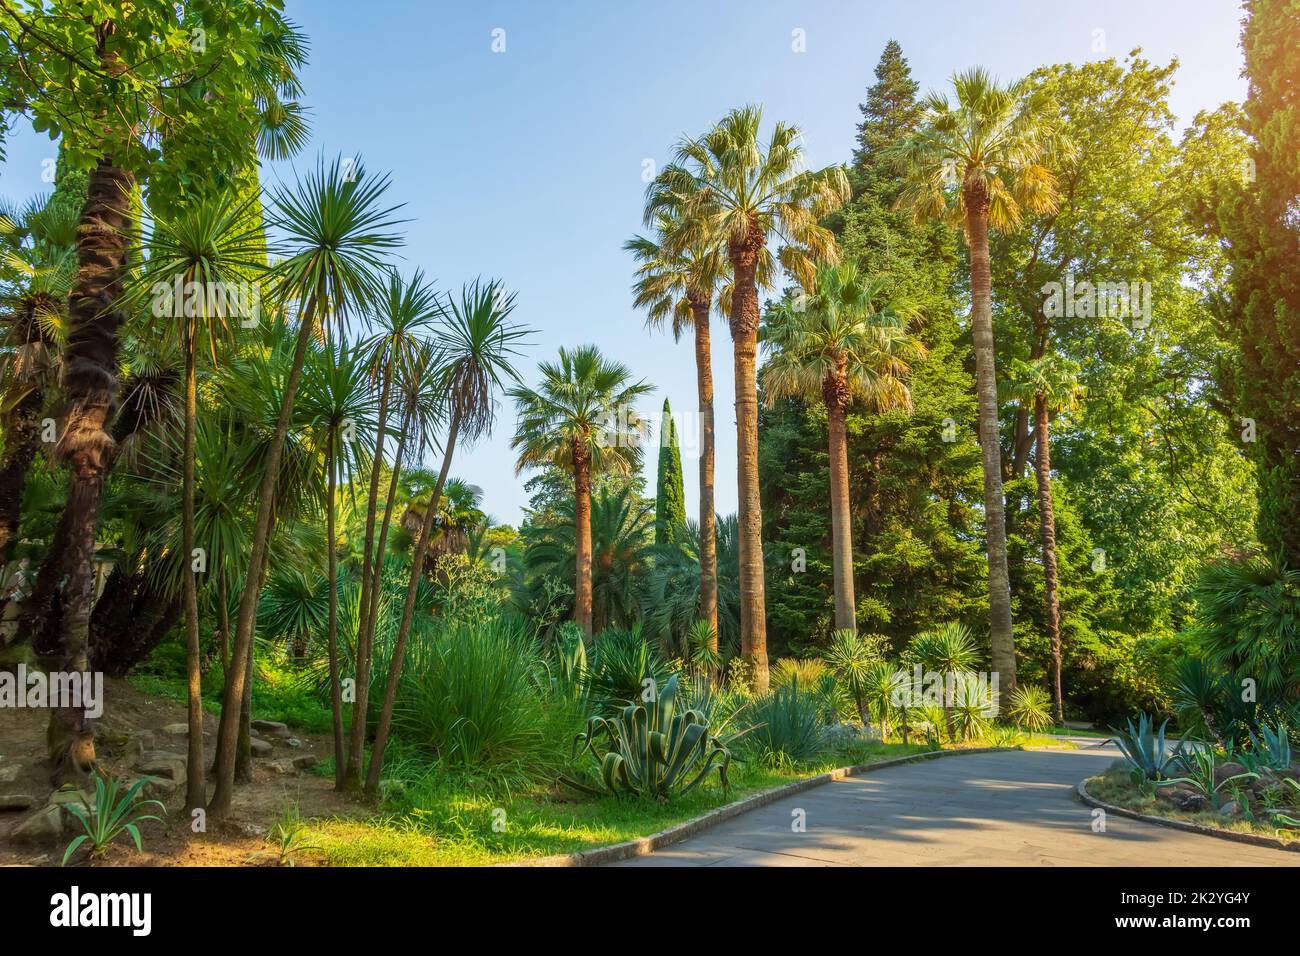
(644, 846)
(1254, 839)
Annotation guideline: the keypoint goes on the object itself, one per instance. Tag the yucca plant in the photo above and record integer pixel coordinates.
(113, 814)
(624, 667)
(702, 652)
(1197, 768)
(653, 749)
(853, 660)
(972, 707)
(289, 835)
(570, 673)
(1030, 708)
(1144, 749)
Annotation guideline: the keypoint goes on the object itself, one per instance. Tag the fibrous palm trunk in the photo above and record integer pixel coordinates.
(836, 395)
(1047, 532)
(90, 383)
(1002, 638)
(708, 518)
(582, 536)
(744, 335)
(22, 431)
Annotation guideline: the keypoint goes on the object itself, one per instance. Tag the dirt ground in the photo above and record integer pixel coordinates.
(127, 711)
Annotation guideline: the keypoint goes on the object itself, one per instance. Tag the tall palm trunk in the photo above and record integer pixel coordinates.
(836, 392)
(700, 308)
(744, 335)
(90, 383)
(995, 526)
(369, 578)
(332, 636)
(195, 788)
(1047, 532)
(420, 548)
(582, 536)
(241, 652)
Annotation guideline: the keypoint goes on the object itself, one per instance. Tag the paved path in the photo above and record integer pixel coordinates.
(1008, 809)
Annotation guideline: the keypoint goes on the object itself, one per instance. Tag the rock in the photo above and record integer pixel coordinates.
(160, 763)
(1186, 799)
(1230, 810)
(43, 826)
(305, 761)
(260, 747)
(292, 742)
(180, 730)
(272, 728)
(66, 795)
(16, 802)
(160, 788)
(139, 743)
(1225, 770)
(285, 766)
(10, 772)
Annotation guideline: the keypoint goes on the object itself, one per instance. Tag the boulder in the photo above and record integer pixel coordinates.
(284, 766)
(305, 761)
(160, 788)
(260, 747)
(178, 730)
(1186, 799)
(1230, 810)
(292, 742)
(139, 743)
(43, 826)
(161, 763)
(16, 802)
(10, 772)
(1225, 770)
(271, 728)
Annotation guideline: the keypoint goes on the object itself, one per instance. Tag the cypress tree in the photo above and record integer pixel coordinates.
(670, 502)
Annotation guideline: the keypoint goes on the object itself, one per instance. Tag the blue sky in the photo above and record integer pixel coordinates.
(527, 164)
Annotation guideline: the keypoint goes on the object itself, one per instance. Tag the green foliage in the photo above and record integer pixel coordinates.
(474, 695)
(948, 649)
(1197, 766)
(671, 597)
(651, 750)
(1247, 623)
(114, 812)
(670, 497)
(1030, 708)
(289, 835)
(1144, 749)
(789, 726)
(625, 669)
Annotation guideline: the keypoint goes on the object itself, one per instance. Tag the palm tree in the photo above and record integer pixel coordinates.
(680, 285)
(730, 188)
(405, 312)
(478, 344)
(337, 234)
(980, 164)
(37, 265)
(338, 400)
(672, 585)
(194, 258)
(1052, 384)
(948, 650)
(840, 344)
(575, 421)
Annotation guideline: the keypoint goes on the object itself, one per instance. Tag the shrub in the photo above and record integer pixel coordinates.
(972, 708)
(1197, 768)
(788, 726)
(653, 750)
(475, 695)
(622, 663)
(1030, 708)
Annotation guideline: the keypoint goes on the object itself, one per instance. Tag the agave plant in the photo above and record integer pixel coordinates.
(1272, 748)
(1197, 767)
(113, 814)
(652, 749)
(1283, 819)
(1145, 751)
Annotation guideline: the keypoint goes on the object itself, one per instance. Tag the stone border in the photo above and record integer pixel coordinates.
(643, 846)
(1254, 839)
